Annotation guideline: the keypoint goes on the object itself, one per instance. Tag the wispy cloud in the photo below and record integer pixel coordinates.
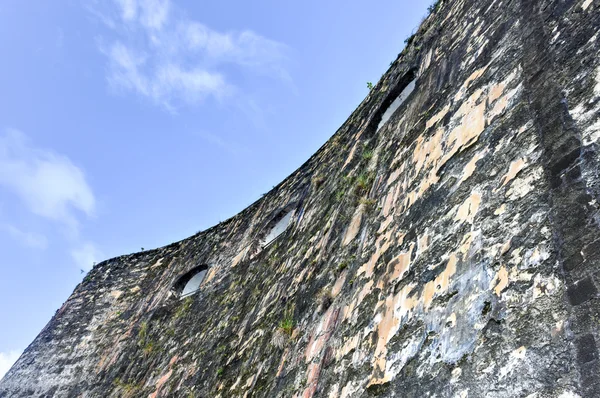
(87, 255)
(7, 359)
(157, 52)
(49, 184)
(166, 83)
(28, 239)
(129, 9)
(219, 142)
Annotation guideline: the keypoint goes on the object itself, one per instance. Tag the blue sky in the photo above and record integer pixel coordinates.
(135, 123)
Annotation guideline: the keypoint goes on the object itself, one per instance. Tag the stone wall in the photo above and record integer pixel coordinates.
(453, 252)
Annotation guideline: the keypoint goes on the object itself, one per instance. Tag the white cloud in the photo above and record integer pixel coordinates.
(128, 9)
(27, 239)
(154, 13)
(87, 255)
(48, 183)
(161, 54)
(7, 360)
(190, 83)
(167, 83)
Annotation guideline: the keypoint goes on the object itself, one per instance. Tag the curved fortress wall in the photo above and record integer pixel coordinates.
(451, 252)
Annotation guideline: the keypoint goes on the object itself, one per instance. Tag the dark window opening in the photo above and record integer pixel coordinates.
(402, 86)
(396, 104)
(274, 228)
(189, 283)
(277, 228)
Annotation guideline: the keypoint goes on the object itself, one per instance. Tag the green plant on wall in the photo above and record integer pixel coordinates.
(149, 347)
(143, 333)
(128, 389)
(184, 307)
(287, 325)
(343, 265)
(283, 333)
(368, 203)
(435, 6)
(370, 85)
(287, 322)
(363, 182)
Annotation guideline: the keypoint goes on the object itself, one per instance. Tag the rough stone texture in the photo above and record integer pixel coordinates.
(452, 253)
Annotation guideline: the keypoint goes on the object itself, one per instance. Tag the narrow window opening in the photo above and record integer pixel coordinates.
(393, 100)
(277, 229)
(189, 283)
(279, 221)
(193, 284)
(396, 104)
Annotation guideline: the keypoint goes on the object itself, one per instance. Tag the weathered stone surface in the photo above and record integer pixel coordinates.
(453, 252)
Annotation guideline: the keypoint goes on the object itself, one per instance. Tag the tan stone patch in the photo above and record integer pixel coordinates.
(433, 153)
(386, 328)
(437, 117)
(349, 345)
(314, 369)
(500, 210)
(321, 333)
(396, 307)
(472, 125)
(385, 224)
(135, 289)
(474, 76)
(394, 176)
(500, 281)
(422, 244)
(466, 211)
(157, 264)
(382, 244)
(471, 166)
(348, 390)
(400, 264)
(502, 103)
(388, 201)
(514, 169)
(350, 156)
(239, 257)
(465, 244)
(339, 284)
(354, 225)
(212, 272)
(160, 383)
(451, 320)
(505, 247)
